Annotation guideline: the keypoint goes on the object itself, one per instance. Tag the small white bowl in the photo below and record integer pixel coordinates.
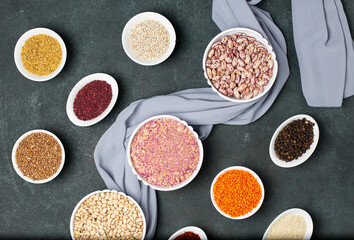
(298, 211)
(193, 229)
(163, 188)
(18, 48)
(306, 155)
(254, 210)
(97, 192)
(138, 19)
(18, 171)
(259, 38)
(83, 82)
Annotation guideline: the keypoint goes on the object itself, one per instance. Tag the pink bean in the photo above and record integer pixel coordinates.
(237, 94)
(211, 53)
(222, 91)
(216, 83)
(229, 91)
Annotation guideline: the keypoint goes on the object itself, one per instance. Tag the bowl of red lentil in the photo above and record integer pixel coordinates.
(237, 192)
(107, 214)
(190, 232)
(92, 99)
(38, 156)
(40, 54)
(165, 153)
(240, 65)
(148, 38)
(294, 141)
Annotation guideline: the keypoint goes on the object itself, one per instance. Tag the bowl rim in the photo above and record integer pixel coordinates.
(78, 86)
(193, 229)
(103, 191)
(259, 38)
(254, 210)
(185, 182)
(18, 48)
(17, 169)
(305, 156)
(140, 18)
(298, 211)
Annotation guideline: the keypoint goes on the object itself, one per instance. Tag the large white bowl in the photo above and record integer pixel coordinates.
(259, 38)
(298, 211)
(83, 82)
(254, 210)
(180, 185)
(18, 48)
(140, 18)
(18, 171)
(304, 156)
(97, 192)
(193, 229)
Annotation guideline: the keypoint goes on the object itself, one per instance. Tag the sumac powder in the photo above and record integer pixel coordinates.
(92, 100)
(294, 140)
(188, 236)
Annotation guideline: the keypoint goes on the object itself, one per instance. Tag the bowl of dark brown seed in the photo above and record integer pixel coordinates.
(294, 141)
(148, 38)
(38, 156)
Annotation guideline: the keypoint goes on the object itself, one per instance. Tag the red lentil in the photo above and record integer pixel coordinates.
(92, 100)
(237, 192)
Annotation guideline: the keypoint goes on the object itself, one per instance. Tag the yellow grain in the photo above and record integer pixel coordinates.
(41, 54)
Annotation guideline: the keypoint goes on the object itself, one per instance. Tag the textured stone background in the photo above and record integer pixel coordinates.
(323, 186)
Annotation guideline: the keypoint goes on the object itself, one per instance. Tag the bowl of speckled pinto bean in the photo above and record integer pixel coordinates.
(165, 153)
(240, 65)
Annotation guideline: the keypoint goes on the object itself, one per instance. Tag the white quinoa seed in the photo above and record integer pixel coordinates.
(291, 226)
(149, 40)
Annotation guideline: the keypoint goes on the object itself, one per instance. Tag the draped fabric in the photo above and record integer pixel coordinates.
(199, 107)
(324, 50)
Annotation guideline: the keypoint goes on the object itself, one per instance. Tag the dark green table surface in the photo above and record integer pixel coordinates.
(323, 186)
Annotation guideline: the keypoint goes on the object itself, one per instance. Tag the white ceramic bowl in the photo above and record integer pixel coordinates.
(193, 229)
(254, 210)
(298, 211)
(163, 188)
(18, 48)
(140, 18)
(259, 38)
(97, 192)
(18, 171)
(70, 103)
(306, 155)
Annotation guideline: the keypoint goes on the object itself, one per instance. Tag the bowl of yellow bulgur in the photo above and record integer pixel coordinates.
(40, 54)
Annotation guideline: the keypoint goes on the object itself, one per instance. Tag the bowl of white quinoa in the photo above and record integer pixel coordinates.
(148, 38)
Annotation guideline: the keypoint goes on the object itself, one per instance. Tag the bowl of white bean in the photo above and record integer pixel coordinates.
(107, 214)
(240, 65)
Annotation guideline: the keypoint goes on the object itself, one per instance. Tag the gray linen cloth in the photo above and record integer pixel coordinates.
(324, 50)
(200, 107)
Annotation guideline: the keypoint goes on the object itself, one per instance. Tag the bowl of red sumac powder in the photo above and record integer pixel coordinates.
(189, 233)
(38, 156)
(165, 153)
(91, 99)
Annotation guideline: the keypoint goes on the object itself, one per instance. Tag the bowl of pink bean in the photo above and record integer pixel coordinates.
(240, 65)
(165, 153)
